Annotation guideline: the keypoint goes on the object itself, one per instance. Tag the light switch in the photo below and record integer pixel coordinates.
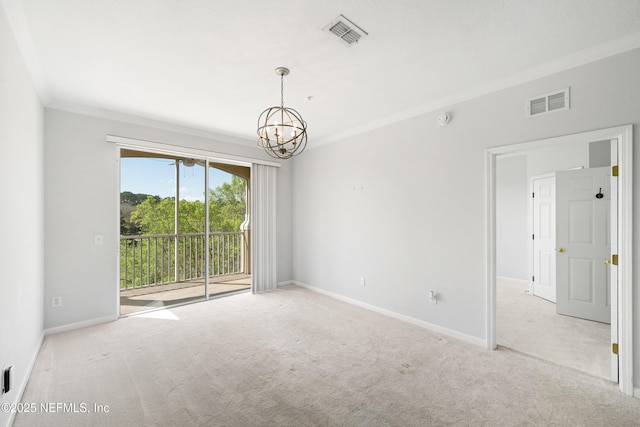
(98, 239)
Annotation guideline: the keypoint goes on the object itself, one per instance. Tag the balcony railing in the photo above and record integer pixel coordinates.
(159, 259)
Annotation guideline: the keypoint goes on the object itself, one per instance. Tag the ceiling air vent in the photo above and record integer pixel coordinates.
(548, 103)
(348, 32)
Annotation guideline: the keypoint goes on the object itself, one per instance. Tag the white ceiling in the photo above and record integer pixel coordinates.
(209, 64)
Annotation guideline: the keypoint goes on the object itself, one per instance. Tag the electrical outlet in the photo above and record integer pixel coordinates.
(56, 302)
(433, 297)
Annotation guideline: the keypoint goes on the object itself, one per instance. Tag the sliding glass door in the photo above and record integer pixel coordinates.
(229, 234)
(168, 253)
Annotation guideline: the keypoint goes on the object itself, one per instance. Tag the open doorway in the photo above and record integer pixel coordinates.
(184, 230)
(533, 315)
(621, 329)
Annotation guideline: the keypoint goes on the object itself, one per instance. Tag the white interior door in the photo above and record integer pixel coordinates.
(544, 237)
(583, 243)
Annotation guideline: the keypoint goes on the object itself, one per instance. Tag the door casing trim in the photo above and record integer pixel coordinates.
(624, 135)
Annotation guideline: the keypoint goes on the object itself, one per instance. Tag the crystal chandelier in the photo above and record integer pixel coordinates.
(282, 131)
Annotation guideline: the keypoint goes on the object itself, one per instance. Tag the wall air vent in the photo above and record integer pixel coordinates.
(348, 32)
(548, 103)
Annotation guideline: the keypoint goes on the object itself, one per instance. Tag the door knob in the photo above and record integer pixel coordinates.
(560, 249)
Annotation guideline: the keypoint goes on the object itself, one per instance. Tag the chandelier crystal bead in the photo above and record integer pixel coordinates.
(282, 132)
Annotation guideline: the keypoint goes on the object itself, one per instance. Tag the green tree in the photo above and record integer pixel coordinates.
(134, 199)
(228, 204)
(127, 228)
(128, 203)
(191, 217)
(155, 217)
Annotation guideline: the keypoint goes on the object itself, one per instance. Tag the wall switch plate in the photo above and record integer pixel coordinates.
(98, 239)
(362, 282)
(56, 301)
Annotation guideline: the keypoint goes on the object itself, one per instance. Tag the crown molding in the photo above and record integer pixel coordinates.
(586, 56)
(14, 12)
(161, 124)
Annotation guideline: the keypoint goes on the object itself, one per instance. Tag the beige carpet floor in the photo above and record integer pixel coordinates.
(292, 357)
(529, 324)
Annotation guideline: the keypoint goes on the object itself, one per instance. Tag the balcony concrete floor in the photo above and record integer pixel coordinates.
(159, 296)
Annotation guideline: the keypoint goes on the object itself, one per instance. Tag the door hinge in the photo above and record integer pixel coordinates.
(614, 259)
(533, 195)
(614, 170)
(533, 237)
(614, 348)
(533, 278)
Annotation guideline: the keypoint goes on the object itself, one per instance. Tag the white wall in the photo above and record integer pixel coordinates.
(21, 216)
(512, 231)
(599, 154)
(404, 205)
(82, 200)
(563, 157)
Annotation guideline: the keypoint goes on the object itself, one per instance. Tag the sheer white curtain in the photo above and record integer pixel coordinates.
(263, 228)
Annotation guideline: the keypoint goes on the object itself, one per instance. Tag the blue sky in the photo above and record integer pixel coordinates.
(157, 177)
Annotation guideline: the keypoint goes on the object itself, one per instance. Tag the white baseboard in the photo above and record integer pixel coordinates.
(287, 283)
(25, 379)
(513, 279)
(408, 319)
(78, 325)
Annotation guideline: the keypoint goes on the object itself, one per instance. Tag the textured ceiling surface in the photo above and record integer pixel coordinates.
(210, 64)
